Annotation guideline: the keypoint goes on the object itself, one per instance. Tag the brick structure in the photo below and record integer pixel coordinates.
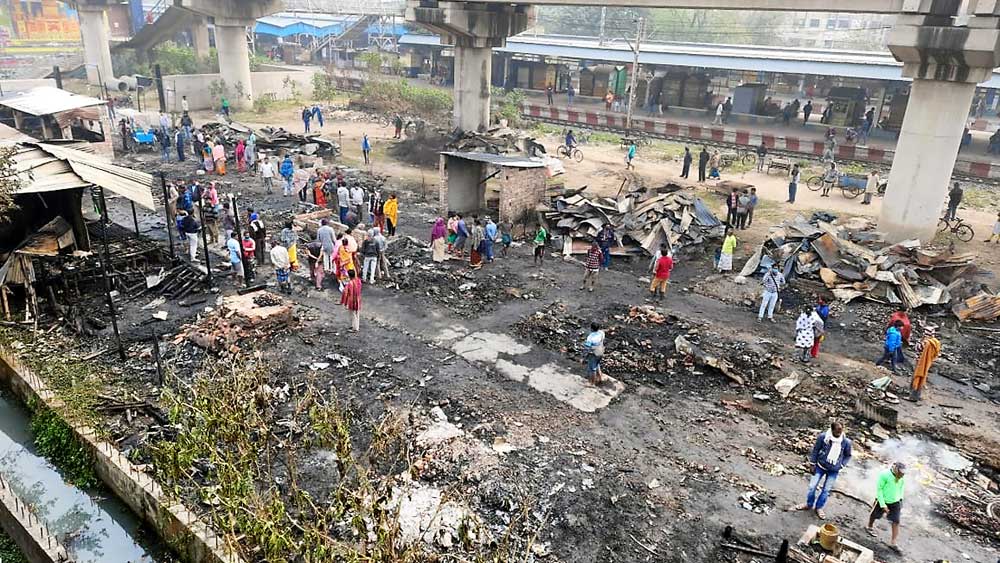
(521, 190)
(521, 183)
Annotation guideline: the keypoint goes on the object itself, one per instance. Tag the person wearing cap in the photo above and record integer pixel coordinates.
(889, 501)
(930, 349)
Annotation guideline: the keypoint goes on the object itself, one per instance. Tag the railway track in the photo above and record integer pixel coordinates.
(798, 156)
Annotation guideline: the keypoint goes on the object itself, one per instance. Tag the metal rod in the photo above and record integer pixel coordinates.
(166, 210)
(156, 356)
(239, 238)
(204, 241)
(105, 258)
(634, 76)
(135, 218)
(159, 88)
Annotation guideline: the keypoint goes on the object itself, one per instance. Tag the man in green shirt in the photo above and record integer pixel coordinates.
(889, 501)
(541, 237)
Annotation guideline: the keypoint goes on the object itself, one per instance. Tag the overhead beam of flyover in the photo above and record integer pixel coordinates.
(842, 6)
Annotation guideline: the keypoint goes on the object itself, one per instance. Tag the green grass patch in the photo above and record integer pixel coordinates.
(979, 198)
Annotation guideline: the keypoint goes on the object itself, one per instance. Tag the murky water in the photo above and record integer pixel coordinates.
(94, 528)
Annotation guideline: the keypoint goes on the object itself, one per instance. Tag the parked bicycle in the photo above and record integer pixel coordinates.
(565, 152)
(962, 230)
(745, 155)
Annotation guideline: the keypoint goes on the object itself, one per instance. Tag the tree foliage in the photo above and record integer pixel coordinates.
(403, 97)
(586, 20)
(716, 26)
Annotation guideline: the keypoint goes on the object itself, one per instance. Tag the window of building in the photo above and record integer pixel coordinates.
(828, 43)
(831, 24)
(814, 22)
(844, 24)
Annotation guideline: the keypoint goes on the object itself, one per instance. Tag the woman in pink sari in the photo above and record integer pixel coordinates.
(241, 154)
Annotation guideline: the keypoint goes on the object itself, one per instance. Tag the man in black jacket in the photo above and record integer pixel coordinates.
(702, 164)
(687, 163)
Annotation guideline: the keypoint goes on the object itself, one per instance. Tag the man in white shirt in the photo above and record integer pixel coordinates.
(164, 123)
(344, 201)
(719, 111)
(358, 201)
(184, 104)
(267, 173)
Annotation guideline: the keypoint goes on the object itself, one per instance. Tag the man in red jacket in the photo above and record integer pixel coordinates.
(661, 274)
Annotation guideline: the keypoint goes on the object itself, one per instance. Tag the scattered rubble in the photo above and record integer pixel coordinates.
(853, 260)
(644, 344)
(254, 315)
(274, 139)
(464, 291)
(678, 219)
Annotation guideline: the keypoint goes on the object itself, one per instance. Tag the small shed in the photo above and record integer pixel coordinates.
(51, 182)
(848, 105)
(464, 176)
(51, 114)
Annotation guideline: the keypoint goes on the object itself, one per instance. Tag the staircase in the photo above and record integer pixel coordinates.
(168, 20)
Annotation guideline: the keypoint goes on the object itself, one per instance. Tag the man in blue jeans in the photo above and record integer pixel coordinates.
(606, 238)
(892, 345)
(830, 453)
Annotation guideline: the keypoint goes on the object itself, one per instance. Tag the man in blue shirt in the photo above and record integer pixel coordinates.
(461, 235)
(490, 234)
(366, 148)
(287, 170)
(235, 263)
(606, 238)
(893, 342)
(570, 141)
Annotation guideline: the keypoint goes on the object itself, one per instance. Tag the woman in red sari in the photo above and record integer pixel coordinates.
(319, 196)
(351, 298)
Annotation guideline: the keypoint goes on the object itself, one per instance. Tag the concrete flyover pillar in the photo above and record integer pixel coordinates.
(473, 67)
(928, 145)
(96, 48)
(234, 63)
(474, 29)
(946, 62)
(232, 17)
(199, 37)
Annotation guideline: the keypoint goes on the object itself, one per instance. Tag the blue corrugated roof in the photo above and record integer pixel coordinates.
(847, 64)
(317, 25)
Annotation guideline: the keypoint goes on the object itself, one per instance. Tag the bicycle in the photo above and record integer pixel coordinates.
(747, 156)
(576, 154)
(962, 230)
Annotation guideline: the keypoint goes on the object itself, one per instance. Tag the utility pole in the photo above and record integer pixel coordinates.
(604, 16)
(634, 75)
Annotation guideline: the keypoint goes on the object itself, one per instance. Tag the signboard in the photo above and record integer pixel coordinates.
(44, 20)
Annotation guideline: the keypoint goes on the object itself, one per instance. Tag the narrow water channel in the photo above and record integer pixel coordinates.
(94, 526)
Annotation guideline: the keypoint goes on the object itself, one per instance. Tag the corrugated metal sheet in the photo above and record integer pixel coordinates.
(46, 100)
(43, 167)
(497, 159)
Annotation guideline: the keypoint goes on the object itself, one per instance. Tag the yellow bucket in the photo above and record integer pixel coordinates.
(828, 536)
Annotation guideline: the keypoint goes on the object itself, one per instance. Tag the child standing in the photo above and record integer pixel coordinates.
(996, 231)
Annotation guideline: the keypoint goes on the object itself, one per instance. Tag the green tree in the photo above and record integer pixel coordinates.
(718, 26)
(372, 61)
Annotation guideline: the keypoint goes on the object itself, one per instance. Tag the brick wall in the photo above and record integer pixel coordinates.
(521, 190)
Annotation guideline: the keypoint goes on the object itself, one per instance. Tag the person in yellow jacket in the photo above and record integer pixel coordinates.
(391, 210)
(930, 349)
